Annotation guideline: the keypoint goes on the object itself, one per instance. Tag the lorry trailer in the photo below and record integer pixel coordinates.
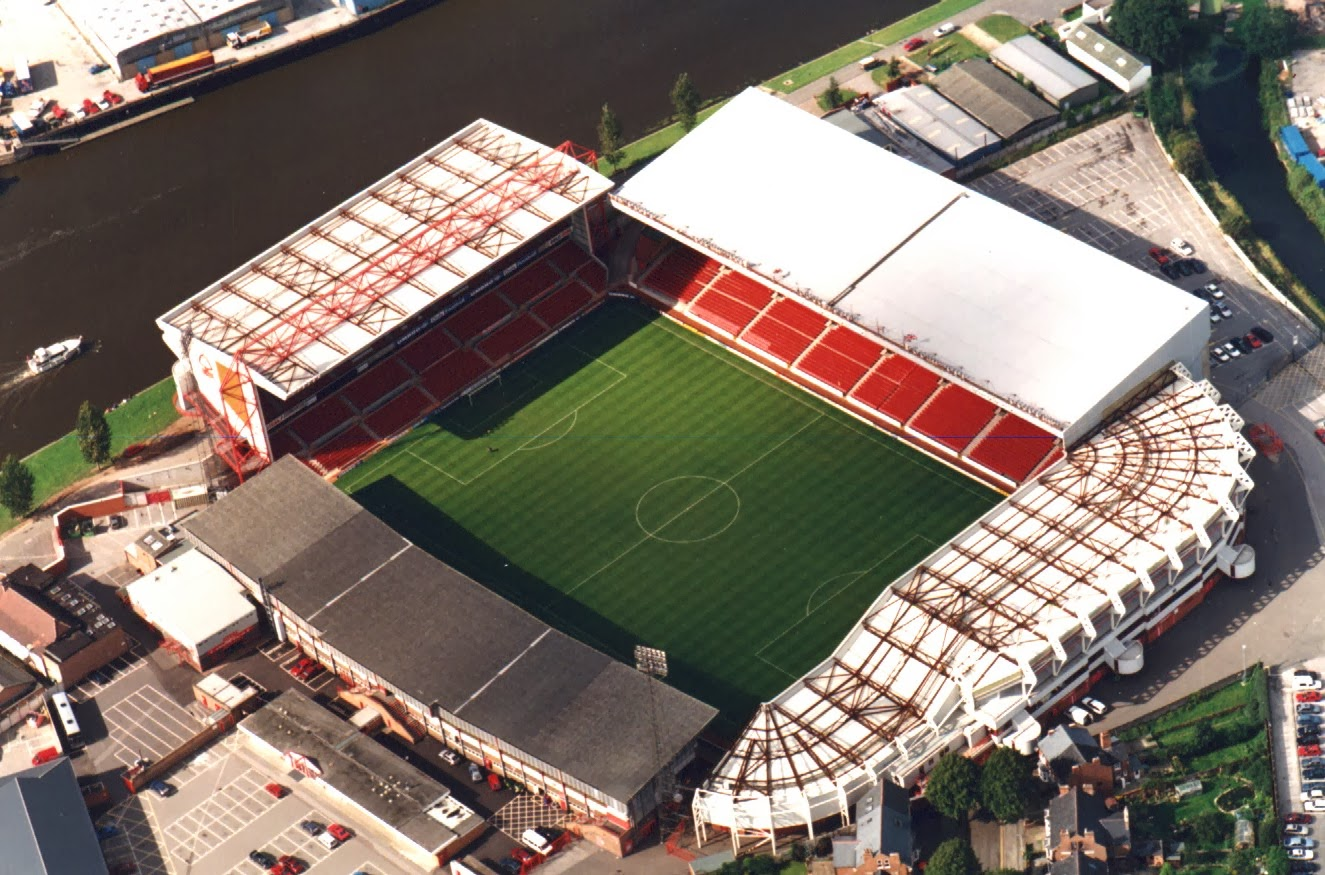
(165, 74)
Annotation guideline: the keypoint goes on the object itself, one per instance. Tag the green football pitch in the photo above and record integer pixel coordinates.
(633, 483)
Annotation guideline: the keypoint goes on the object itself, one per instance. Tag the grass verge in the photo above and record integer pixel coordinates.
(1003, 27)
(59, 464)
(943, 53)
(833, 61)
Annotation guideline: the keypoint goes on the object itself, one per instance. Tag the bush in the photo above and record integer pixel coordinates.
(1189, 156)
(1211, 829)
(1165, 103)
(1235, 223)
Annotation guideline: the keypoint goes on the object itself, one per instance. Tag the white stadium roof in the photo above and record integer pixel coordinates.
(981, 612)
(330, 289)
(993, 297)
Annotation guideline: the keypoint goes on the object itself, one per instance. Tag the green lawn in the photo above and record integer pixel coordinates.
(632, 483)
(822, 66)
(59, 464)
(652, 145)
(943, 53)
(1002, 27)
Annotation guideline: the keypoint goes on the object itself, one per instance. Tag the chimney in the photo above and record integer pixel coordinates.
(1106, 740)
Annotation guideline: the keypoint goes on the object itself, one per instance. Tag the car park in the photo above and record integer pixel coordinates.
(262, 859)
(944, 29)
(449, 756)
(1094, 706)
(161, 788)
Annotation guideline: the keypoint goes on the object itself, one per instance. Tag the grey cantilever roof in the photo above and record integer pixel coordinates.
(441, 637)
(44, 825)
(993, 97)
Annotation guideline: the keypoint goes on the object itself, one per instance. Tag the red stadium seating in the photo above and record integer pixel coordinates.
(785, 330)
(742, 288)
(841, 358)
(722, 311)
(646, 249)
(322, 418)
(529, 283)
(682, 274)
(593, 275)
(477, 317)
(432, 346)
(1013, 447)
(510, 338)
(897, 387)
(345, 448)
(954, 416)
(377, 382)
(401, 411)
(568, 257)
(446, 378)
(283, 443)
(563, 304)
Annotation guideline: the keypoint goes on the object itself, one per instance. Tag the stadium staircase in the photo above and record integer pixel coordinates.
(823, 352)
(480, 339)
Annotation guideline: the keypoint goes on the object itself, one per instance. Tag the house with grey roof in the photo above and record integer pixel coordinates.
(44, 825)
(1079, 821)
(1089, 47)
(1055, 78)
(882, 830)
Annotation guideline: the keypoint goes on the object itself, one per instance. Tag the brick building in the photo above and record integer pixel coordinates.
(55, 627)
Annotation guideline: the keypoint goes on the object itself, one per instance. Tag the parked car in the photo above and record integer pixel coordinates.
(161, 788)
(508, 866)
(1171, 271)
(475, 773)
(98, 68)
(1160, 255)
(1214, 315)
(327, 840)
(276, 790)
(1308, 708)
(1227, 313)
(1231, 349)
(1197, 265)
(1296, 829)
(1314, 805)
(1309, 695)
(1303, 868)
(1253, 341)
(1309, 719)
(1213, 290)
(535, 841)
(1094, 706)
(312, 827)
(1298, 817)
(1308, 750)
(339, 833)
(304, 668)
(1218, 354)
(107, 831)
(1185, 267)
(913, 43)
(117, 522)
(1080, 715)
(1265, 336)
(1241, 344)
(1317, 774)
(1299, 842)
(1182, 247)
(1301, 854)
(1308, 762)
(944, 29)
(288, 865)
(449, 756)
(45, 755)
(262, 859)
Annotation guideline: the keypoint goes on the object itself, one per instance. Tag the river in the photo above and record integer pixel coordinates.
(1228, 118)
(102, 239)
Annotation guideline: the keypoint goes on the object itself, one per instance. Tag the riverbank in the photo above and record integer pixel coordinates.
(59, 465)
(1303, 189)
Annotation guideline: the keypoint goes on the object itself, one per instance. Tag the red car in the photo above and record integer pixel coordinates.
(1298, 817)
(89, 107)
(1308, 750)
(111, 97)
(1253, 341)
(1160, 255)
(277, 790)
(45, 755)
(1309, 696)
(304, 669)
(913, 43)
(523, 855)
(288, 865)
(339, 833)
(1320, 436)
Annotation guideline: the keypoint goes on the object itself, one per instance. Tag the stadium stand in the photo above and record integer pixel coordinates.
(646, 250)
(510, 338)
(529, 284)
(568, 257)
(322, 418)
(446, 378)
(344, 449)
(593, 275)
(376, 383)
(563, 304)
(1013, 447)
(840, 358)
(284, 442)
(742, 288)
(785, 330)
(477, 317)
(897, 387)
(435, 344)
(722, 311)
(681, 275)
(954, 416)
(398, 413)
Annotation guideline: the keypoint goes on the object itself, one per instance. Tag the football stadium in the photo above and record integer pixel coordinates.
(864, 455)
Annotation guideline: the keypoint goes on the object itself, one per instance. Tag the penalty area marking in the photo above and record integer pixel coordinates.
(721, 484)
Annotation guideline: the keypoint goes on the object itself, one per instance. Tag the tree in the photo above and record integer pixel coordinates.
(1151, 27)
(1006, 784)
(1267, 31)
(609, 136)
(15, 487)
(1211, 828)
(93, 434)
(685, 101)
(833, 96)
(953, 857)
(1241, 861)
(1235, 223)
(954, 786)
(1276, 861)
(1189, 156)
(1167, 869)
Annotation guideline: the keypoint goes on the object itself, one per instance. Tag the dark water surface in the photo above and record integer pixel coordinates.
(1228, 116)
(103, 238)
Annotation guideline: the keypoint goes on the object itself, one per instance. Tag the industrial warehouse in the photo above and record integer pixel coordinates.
(1108, 481)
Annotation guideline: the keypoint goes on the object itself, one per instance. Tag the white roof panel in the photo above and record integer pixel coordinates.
(1047, 70)
(325, 292)
(990, 296)
(191, 599)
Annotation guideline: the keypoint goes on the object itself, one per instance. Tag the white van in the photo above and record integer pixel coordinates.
(1305, 682)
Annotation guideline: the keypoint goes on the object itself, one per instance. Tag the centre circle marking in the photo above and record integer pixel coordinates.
(701, 495)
